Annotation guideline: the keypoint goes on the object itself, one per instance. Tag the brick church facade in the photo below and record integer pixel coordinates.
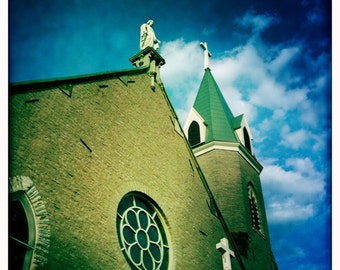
(102, 176)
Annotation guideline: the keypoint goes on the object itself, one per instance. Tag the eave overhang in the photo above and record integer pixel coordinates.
(55, 82)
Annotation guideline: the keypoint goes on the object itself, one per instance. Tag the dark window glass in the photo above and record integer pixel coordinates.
(141, 234)
(246, 139)
(194, 133)
(19, 233)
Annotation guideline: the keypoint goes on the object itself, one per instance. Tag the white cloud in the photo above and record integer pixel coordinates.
(265, 125)
(321, 144)
(308, 113)
(262, 82)
(289, 210)
(304, 139)
(294, 182)
(179, 67)
(303, 165)
(284, 58)
(293, 139)
(293, 192)
(267, 90)
(258, 23)
(247, 62)
(312, 110)
(181, 77)
(278, 114)
(273, 93)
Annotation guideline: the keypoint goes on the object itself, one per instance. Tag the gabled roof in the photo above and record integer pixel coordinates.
(211, 105)
(237, 121)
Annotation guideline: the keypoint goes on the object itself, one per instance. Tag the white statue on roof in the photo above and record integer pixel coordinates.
(147, 36)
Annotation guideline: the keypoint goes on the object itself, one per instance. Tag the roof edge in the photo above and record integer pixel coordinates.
(46, 83)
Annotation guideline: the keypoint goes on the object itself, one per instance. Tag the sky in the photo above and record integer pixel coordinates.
(272, 61)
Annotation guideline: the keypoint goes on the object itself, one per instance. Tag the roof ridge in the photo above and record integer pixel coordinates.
(43, 83)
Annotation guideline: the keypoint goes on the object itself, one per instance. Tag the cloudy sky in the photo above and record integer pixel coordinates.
(271, 60)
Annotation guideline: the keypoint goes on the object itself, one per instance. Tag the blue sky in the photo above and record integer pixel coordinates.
(271, 60)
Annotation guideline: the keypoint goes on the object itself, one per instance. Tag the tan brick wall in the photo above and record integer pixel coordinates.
(259, 242)
(228, 175)
(134, 147)
(222, 170)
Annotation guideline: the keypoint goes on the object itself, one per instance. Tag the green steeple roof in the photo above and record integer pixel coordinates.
(213, 108)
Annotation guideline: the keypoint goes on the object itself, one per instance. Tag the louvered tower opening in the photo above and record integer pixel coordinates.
(255, 217)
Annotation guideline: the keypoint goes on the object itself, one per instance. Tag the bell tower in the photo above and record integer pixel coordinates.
(222, 144)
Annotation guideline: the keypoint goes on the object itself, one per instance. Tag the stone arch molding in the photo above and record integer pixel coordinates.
(194, 116)
(42, 228)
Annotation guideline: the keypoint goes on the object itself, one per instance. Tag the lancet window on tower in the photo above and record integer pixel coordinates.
(254, 211)
(194, 133)
(246, 139)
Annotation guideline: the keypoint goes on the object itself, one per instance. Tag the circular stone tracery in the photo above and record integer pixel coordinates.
(141, 234)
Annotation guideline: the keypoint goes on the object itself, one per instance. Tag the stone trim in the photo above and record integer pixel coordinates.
(229, 146)
(42, 237)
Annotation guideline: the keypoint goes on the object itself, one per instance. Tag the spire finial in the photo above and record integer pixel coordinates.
(207, 54)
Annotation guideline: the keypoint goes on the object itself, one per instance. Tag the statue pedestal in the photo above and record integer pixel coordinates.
(149, 57)
(146, 56)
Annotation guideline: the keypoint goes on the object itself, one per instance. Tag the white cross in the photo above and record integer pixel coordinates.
(207, 54)
(223, 246)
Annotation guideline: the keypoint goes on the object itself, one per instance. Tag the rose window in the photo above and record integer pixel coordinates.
(141, 234)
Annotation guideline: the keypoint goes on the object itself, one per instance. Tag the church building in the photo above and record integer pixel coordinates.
(102, 176)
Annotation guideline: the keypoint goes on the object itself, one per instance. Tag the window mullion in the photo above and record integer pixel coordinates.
(21, 242)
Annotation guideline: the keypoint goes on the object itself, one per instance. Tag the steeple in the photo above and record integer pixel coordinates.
(213, 108)
(211, 119)
(222, 145)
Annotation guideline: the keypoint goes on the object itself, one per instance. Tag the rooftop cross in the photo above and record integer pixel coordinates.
(223, 246)
(207, 54)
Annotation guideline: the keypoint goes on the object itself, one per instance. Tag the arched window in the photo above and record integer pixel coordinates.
(194, 133)
(246, 139)
(141, 233)
(254, 211)
(21, 230)
(28, 223)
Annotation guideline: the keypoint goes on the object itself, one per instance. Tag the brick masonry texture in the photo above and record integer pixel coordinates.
(228, 175)
(85, 152)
